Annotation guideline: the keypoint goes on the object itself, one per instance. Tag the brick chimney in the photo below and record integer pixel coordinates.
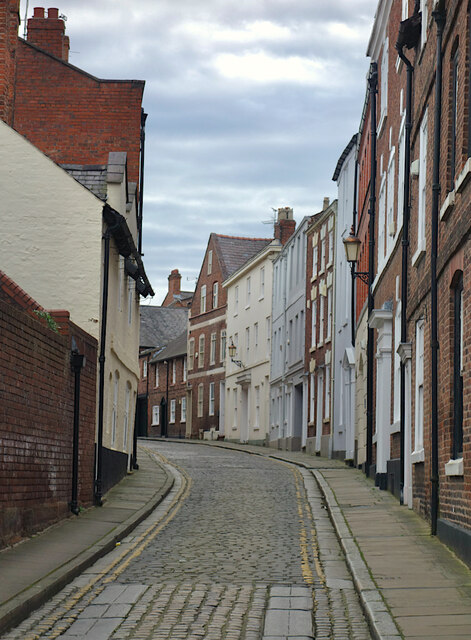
(48, 32)
(174, 284)
(285, 225)
(9, 23)
(326, 204)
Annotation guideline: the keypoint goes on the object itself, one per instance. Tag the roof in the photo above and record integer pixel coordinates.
(161, 325)
(234, 251)
(177, 347)
(93, 177)
(344, 156)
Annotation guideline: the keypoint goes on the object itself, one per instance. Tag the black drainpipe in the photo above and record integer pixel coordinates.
(77, 362)
(373, 88)
(101, 361)
(405, 256)
(141, 180)
(439, 17)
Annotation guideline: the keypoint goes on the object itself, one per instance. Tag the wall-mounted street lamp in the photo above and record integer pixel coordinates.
(352, 246)
(232, 349)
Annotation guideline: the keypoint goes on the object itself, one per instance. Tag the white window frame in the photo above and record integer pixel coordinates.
(155, 415)
(327, 393)
(173, 407)
(423, 33)
(315, 258)
(401, 147)
(156, 380)
(215, 295)
(144, 368)
(210, 262)
(255, 338)
(247, 343)
(382, 224)
(114, 412)
(234, 399)
(203, 299)
(174, 371)
(262, 283)
(311, 398)
(212, 352)
(211, 399)
(130, 298)
(185, 369)
(422, 199)
(222, 354)
(257, 407)
(236, 300)
(331, 248)
(248, 291)
(384, 83)
(183, 409)
(200, 401)
(314, 323)
(201, 348)
(419, 391)
(321, 319)
(390, 228)
(329, 314)
(127, 399)
(191, 354)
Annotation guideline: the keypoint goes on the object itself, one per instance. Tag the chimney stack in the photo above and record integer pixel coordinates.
(174, 283)
(285, 225)
(9, 23)
(326, 204)
(48, 32)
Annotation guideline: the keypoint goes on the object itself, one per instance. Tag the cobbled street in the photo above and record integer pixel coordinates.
(242, 548)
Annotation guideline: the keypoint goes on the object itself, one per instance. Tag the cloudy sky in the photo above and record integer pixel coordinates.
(250, 105)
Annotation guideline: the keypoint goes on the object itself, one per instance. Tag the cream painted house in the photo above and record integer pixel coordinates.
(249, 298)
(70, 240)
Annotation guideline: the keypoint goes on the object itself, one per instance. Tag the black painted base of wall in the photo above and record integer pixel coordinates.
(457, 538)
(381, 481)
(115, 467)
(394, 477)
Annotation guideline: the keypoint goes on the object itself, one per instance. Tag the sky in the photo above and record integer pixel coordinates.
(250, 104)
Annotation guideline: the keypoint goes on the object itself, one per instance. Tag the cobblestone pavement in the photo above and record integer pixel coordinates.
(242, 548)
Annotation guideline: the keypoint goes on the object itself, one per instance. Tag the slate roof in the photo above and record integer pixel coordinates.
(161, 325)
(234, 251)
(174, 349)
(92, 176)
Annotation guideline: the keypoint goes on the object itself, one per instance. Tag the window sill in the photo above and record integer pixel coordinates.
(417, 456)
(447, 205)
(395, 427)
(454, 467)
(156, 424)
(418, 255)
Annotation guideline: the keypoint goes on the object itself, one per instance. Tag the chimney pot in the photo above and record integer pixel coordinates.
(38, 12)
(53, 14)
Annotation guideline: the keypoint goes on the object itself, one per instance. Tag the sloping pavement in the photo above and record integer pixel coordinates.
(410, 584)
(34, 570)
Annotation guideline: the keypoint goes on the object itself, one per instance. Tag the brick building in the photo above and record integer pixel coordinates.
(161, 328)
(207, 331)
(319, 328)
(36, 456)
(175, 297)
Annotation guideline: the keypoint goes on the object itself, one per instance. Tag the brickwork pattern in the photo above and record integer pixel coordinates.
(36, 418)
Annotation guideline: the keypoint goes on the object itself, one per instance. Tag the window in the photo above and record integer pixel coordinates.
(314, 323)
(453, 117)
(215, 295)
(397, 364)
(321, 319)
(329, 314)
(248, 292)
(212, 353)
(211, 398)
(405, 10)
(191, 353)
(144, 369)
(424, 11)
(126, 416)
(311, 399)
(236, 300)
(257, 408)
(120, 284)
(185, 369)
(201, 351)
(223, 345)
(255, 338)
(327, 393)
(155, 415)
(172, 411)
(156, 374)
(384, 82)
(315, 258)
(183, 409)
(114, 412)
(262, 282)
(210, 262)
(203, 299)
(390, 230)
(320, 390)
(331, 247)
(322, 255)
(422, 186)
(200, 401)
(382, 223)
(419, 386)
(457, 451)
(247, 344)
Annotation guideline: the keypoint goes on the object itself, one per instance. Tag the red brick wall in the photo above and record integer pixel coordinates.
(176, 391)
(72, 116)
(36, 420)
(9, 21)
